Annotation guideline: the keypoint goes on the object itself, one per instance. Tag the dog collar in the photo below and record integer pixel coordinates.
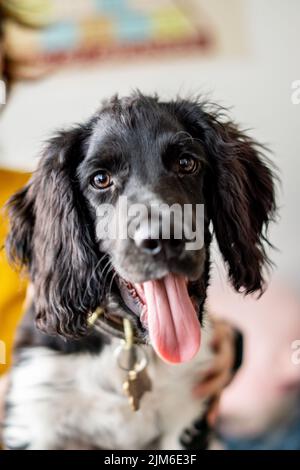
(103, 323)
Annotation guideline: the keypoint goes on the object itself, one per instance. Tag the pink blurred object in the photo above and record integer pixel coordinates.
(265, 389)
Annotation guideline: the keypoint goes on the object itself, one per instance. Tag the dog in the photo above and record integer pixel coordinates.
(66, 384)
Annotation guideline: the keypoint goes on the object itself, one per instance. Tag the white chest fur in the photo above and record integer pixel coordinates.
(77, 400)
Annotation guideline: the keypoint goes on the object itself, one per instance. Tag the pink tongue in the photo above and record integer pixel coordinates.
(173, 324)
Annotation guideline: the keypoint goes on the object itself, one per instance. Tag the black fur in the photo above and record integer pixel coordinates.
(52, 230)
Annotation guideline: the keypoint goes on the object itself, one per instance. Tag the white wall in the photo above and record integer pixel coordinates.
(258, 87)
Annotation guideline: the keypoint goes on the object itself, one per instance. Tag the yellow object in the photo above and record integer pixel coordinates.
(95, 315)
(128, 332)
(12, 287)
(34, 13)
(170, 24)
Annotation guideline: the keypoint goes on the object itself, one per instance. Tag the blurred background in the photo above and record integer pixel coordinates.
(60, 58)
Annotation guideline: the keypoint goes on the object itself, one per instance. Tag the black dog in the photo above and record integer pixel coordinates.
(66, 387)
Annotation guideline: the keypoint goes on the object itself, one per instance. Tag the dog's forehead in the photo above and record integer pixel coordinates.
(133, 124)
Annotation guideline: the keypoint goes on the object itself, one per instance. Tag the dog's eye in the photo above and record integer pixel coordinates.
(187, 164)
(101, 180)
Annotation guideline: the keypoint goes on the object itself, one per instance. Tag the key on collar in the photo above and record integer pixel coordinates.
(133, 359)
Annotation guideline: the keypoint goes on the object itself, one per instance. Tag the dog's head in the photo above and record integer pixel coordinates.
(146, 153)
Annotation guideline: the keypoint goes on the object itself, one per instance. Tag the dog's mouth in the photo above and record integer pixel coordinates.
(168, 313)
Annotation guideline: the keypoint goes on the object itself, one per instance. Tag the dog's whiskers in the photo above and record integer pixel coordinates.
(109, 270)
(111, 282)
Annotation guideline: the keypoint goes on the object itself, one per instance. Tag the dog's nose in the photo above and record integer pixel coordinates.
(150, 246)
(169, 247)
(153, 241)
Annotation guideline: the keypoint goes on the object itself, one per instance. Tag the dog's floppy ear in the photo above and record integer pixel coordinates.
(19, 240)
(239, 192)
(52, 234)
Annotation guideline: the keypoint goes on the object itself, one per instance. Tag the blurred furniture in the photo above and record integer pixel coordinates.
(12, 287)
